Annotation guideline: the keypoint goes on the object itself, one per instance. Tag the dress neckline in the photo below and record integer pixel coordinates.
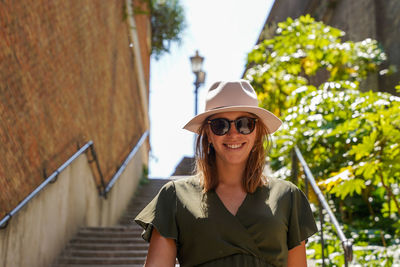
(226, 209)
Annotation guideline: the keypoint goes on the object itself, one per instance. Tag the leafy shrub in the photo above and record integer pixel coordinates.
(350, 139)
(302, 49)
(364, 254)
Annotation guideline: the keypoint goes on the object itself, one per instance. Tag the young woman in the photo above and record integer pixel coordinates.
(229, 213)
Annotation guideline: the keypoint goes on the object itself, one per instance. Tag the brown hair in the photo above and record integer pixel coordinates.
(253, 175)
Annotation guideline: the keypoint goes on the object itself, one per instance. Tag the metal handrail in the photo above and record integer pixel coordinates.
(125, 163)
(50, 179)
(346, 243)
(103, 190)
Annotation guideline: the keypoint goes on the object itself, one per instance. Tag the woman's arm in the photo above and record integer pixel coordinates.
(162, 251)
(297, 256)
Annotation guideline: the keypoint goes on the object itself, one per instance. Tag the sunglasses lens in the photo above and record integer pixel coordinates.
(219, 126)
(245, 125)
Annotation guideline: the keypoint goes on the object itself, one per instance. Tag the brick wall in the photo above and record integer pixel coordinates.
(66, 77)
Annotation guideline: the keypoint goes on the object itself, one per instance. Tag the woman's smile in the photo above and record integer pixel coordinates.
(234, 145)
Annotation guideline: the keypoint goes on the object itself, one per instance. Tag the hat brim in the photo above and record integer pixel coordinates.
(270, 121)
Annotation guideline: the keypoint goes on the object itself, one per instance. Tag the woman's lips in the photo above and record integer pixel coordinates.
(234, 146)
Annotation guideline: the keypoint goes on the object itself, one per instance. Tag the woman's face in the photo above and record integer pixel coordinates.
(233, 148)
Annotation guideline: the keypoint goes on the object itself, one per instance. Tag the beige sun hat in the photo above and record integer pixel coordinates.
(225, 96)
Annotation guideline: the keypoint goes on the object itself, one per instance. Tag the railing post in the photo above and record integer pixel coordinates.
(306, 187)
(348, 252)
(295, 168)
(96, 161)
(321, 220)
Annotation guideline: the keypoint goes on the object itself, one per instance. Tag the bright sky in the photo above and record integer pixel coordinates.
(223, 31)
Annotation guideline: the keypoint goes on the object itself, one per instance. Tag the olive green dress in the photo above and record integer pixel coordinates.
(269, 222)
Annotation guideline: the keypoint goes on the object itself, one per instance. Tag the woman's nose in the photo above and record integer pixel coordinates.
(232, 130)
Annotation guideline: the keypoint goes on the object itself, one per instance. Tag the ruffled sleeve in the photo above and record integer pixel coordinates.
(161, 214)
(301, 221)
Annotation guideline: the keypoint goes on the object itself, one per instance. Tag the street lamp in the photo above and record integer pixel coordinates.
(197, 64)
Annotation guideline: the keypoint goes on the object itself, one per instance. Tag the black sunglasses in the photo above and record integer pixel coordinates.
(221, 126)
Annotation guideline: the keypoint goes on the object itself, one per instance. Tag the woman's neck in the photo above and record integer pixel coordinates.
(230, 175)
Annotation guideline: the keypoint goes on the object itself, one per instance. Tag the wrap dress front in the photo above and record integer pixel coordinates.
(269, 222)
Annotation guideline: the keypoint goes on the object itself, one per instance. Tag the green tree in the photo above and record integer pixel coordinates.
(301, 49)
(167, 19)
(167, 25)
(350, 139)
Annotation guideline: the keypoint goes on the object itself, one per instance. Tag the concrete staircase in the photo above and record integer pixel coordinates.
(117, 246)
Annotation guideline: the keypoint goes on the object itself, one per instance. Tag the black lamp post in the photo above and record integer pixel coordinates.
(197, 64)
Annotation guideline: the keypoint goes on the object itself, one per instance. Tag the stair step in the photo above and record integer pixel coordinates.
(96, 265)
(102, 260)
(131, 213)
(137, 207)
(109, 234)
(126, 222)
(116, 246)
(139, 246)
(130, 219)
(117, 228)
(106, 253)
(111, 240)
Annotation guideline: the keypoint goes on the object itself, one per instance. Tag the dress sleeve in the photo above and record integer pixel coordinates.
(301, 222)
(161, 214)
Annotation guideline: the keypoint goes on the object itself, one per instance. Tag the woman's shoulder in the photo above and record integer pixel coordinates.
(187, 184)
(180, 188)
(280, 185)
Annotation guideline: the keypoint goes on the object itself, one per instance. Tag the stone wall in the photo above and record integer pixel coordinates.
(67, 76)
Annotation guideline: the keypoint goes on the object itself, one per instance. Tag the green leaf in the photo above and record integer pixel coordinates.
(397, 88)
(348, 187)
(369, 170)
(366, 147)
(389, 208)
